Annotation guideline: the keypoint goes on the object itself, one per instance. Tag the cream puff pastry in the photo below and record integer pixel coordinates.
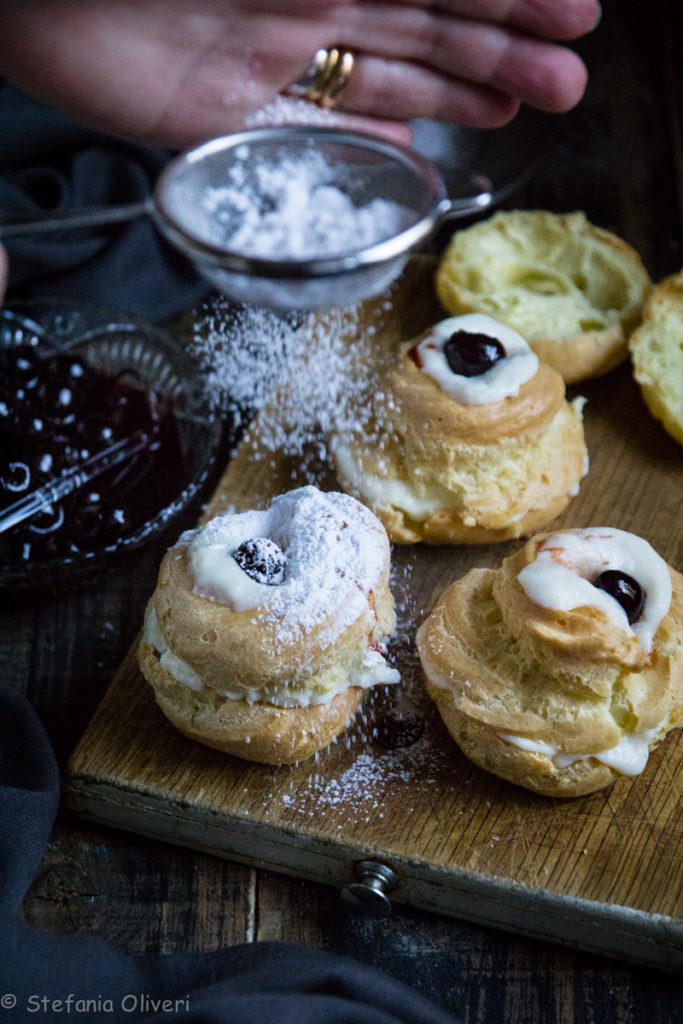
(574, 290)
(469, 439)
(267, 627)
(561, 670)
(657, 354)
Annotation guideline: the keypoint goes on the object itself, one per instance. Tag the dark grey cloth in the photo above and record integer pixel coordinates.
(257, 983)
(50, 163)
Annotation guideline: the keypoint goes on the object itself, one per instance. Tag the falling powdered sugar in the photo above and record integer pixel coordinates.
(290, 110)
(335, 552)
(305, 378)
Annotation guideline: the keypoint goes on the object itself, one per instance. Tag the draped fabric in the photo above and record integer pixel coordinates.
(255, 983)
(49, 163)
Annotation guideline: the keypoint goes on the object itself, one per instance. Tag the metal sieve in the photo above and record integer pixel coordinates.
(361, 166)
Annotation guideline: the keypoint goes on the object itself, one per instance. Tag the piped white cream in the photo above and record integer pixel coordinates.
(368, 669)
(176, 667)
(385, 492)
(561, 575)
(629, 756)
(505, 377)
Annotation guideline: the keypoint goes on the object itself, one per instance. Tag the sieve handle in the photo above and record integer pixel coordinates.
(466, 205)
(61, 220)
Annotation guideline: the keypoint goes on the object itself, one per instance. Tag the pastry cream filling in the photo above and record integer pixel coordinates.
(505, 377)
(560, 576)
(180, 670)
(578, 404)
(367, 669)
(382, 491)
(628, 757)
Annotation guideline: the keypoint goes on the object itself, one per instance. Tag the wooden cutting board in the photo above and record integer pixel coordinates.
(603, 872)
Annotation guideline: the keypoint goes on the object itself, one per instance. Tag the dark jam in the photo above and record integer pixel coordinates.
(55, 412)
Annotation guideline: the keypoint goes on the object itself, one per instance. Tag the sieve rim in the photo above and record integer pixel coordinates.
(394, 247)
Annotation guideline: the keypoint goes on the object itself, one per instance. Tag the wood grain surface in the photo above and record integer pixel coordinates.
(602, 872)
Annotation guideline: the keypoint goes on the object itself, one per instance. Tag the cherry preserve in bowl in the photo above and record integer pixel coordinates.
(73, 382)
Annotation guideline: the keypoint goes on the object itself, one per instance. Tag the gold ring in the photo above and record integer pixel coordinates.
(326, 78)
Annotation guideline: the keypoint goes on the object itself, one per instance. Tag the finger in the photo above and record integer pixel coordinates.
(547, 19)
(391, 88)
(544, 75)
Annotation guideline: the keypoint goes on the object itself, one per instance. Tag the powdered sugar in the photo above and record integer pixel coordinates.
(305, 378)
(296, 207)
(347, 791)
(336, 554)
(289, 110)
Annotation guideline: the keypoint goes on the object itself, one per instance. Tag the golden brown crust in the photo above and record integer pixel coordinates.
(657, 354)
(236, 650)
(422, 401)
(535, 772)
(573, 290)
(485, 473)
(451, 527)
(278, 681)
(256, 732)
(497, 663)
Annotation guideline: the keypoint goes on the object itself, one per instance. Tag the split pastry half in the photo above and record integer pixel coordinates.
(657, 354)
(574, 290)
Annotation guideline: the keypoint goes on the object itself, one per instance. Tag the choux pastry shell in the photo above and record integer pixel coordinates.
(573, 290)
(657, 354)
(435, 467)
(271, 661)
(537, 672)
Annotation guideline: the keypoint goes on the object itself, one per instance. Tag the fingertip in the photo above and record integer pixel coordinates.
(565, 85)
(569, 20)
(485, 108)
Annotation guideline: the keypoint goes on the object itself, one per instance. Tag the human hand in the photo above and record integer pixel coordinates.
(175, 72)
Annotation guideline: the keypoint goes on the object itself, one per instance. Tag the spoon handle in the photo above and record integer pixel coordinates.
(71, 480)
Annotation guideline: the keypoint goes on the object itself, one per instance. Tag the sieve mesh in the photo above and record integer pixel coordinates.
(363, 169)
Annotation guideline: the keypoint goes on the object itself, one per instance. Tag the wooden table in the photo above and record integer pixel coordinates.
(619, 158)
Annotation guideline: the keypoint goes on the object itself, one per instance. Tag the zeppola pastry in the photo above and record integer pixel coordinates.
(573, 290)
(657, 354)
(266, 628)
(469, 439)
(561, 670)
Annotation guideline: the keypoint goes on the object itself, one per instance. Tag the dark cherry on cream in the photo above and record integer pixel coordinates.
(470, 354)
(624, 589)
(262, 560)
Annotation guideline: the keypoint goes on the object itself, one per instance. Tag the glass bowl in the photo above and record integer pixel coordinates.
(139, 369)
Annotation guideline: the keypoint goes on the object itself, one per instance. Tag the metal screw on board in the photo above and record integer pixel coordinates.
(369, 892)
